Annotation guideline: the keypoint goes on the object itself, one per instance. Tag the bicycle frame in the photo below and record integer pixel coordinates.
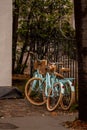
(68, 80)
(49, 79)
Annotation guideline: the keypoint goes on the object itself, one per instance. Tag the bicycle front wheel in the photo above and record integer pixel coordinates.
(68, 97)
(54, 97)
(34, 91)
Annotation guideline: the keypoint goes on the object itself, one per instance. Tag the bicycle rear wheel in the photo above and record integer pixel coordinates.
(54, 97)
(68, 97)
(34, 91)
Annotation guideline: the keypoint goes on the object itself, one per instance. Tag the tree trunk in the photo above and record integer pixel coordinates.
(18, 69)
(81, 37)
(24, 65)
(15, 36)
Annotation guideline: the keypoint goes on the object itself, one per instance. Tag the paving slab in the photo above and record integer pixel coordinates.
(19, 114)
(38, 122)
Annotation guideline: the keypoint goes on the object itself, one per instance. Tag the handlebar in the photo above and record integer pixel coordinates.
(47, 64)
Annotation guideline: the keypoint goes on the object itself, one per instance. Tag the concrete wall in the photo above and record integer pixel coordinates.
(5, 42)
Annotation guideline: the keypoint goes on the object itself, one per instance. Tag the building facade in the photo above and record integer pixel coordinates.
(5, 42)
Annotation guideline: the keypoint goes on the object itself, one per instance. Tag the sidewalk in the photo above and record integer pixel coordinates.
(37, 122)
(21, 115)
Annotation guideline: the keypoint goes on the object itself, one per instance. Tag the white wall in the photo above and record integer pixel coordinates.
(5, 42)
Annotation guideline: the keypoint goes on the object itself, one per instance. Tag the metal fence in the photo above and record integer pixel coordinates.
(63, 51)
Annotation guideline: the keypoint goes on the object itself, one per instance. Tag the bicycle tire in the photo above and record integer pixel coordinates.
(52, 105)
(68, 97)
(35, 96)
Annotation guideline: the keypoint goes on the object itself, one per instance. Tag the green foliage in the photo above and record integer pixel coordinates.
(44, 18)
(74, 107)
(39, 22)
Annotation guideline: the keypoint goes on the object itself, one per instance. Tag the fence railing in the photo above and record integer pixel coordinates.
(63, 51)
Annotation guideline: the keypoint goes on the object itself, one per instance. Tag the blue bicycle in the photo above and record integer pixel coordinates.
(48, 86)
(38, 89)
